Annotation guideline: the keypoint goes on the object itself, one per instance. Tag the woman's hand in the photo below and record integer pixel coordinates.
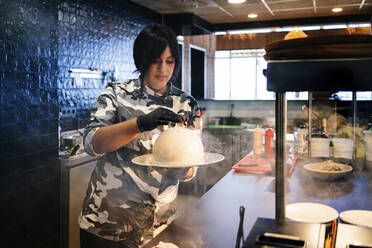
(178, 173)
(160, 116)
(111, 138)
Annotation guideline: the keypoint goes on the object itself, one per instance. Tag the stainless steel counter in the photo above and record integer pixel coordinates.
(213, 220)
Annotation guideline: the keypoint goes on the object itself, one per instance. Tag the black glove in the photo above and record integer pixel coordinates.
(159, 116)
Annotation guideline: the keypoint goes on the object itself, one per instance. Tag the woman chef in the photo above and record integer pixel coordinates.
(126, 205)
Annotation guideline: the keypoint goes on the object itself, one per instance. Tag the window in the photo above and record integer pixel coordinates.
(348, 95)
(239, 76)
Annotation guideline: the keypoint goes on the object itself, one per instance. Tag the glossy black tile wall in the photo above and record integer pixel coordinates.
(29, 172)
(40, 41)
(28, 66)
(92, 36)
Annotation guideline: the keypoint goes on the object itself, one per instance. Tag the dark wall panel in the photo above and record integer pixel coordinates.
(29, 171)
(94, 36)
(40, 41)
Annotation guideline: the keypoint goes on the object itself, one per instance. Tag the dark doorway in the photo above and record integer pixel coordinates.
(197, 73)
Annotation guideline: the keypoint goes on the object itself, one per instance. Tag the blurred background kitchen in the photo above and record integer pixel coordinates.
(57, 56)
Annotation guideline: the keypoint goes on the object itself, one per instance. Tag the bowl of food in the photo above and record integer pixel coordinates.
(178, 147)
(328, 170)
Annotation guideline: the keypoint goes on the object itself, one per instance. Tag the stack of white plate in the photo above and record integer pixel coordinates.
(368, 142)
(320, 147)
(344, 148)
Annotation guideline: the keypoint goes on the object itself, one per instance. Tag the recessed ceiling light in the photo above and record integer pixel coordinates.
(236, 1)
(335, 10)
(252, 15)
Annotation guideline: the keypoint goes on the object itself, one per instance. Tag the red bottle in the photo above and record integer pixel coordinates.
(269, 141)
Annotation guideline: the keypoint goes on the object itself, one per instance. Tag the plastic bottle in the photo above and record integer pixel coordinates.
(269, 141)
(257, 140)
(324, 133)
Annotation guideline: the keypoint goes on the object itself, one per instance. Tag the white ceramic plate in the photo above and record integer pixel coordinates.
(318, 170)
(148, 160)
(357, 217)
(311, 212)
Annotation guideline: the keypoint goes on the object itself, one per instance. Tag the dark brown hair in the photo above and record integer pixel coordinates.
(151, 43)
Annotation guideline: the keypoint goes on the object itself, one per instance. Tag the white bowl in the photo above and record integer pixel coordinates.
(320, 170)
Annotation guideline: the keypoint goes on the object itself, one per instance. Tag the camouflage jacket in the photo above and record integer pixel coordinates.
(127, 202)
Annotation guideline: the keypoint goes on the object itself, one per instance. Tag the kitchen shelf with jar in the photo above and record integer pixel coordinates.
(319, 64)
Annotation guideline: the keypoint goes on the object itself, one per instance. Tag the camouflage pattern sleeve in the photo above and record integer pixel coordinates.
(192, 116)
(104, 113)
(194, 122)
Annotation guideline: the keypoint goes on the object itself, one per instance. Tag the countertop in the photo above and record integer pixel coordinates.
(76, 160)
(228, 129)
(213, 220)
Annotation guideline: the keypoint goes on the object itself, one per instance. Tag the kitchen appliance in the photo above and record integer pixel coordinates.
(317, 64)
(75, 176)
(70, 139)
(351, 236)
(268, 232)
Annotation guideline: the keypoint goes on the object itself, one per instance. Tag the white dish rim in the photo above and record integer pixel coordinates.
(149, 160)
(313, 205)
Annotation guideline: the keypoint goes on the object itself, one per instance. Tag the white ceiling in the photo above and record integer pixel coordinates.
(220, 11)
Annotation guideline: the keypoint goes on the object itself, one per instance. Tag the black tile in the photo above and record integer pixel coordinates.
(7, 132)
(7, 115)
(6, 168)
(53, 141)
(44, 111)
(8, 149)
(7, 185)
(33, 112)
(22, 146)
(21, 113)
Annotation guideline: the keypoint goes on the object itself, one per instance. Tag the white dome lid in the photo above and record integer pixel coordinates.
(178, 145)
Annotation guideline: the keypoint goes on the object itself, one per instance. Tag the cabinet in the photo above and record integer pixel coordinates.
(75, 176)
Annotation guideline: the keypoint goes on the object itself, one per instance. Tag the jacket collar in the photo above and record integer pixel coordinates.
(147, 90)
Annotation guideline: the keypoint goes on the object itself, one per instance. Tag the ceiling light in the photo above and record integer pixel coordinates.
(251, 31)
(336, 10)
(252, 15)
(303, 28)
(236, 1)
(220, 33)
(359, 25)
(337, 26)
